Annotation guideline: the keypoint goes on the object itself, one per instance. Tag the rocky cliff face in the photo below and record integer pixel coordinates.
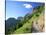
(38, 24)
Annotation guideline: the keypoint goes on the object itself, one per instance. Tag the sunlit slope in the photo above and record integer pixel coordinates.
(35, 21)
(26, 28)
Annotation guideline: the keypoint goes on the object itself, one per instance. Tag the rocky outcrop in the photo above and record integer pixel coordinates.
(38, 24)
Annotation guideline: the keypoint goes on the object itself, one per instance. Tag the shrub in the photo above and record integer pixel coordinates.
(37, 15)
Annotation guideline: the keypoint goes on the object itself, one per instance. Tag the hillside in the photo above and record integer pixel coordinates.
(34, 24)
(30, 23)
(26, 28)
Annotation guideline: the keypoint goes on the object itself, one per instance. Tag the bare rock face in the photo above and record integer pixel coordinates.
(41, 23)
(38, 24)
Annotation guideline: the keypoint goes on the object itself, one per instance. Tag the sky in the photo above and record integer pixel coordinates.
(16, 9)
(28, 0)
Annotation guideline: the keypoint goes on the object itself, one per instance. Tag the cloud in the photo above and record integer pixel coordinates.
(27, 5)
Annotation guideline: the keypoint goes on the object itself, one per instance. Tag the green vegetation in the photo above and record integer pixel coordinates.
(26, 28)
(25, 25)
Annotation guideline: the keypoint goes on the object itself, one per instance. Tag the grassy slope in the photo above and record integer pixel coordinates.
(27, 25)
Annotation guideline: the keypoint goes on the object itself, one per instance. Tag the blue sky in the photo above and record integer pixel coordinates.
(16, 8)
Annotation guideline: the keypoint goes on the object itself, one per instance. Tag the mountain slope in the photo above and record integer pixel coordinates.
(34, 22)
(26, 28)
